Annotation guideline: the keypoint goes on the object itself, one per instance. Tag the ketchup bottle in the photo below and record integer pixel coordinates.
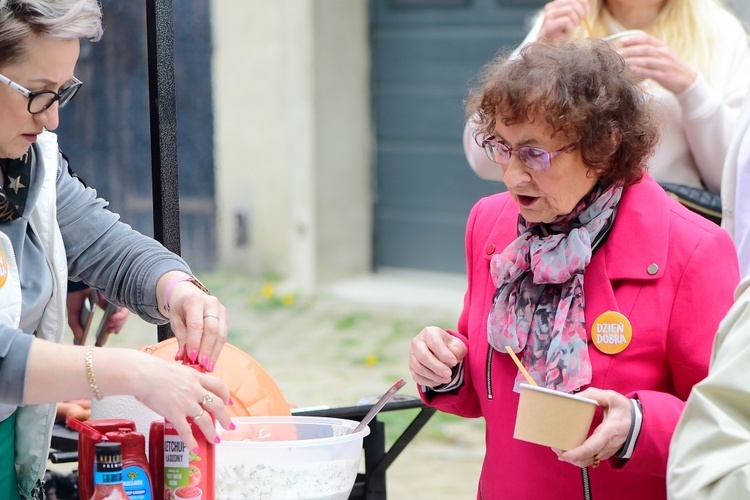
(108, 472)
(156, 457)
(90, 433)
(136, 475)
(188, 473)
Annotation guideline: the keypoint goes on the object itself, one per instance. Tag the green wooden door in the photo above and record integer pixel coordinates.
(424, 55)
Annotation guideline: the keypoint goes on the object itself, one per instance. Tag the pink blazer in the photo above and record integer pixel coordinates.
(671, 273)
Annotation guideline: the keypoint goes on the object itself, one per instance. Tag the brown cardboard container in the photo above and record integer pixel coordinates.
(553, 418)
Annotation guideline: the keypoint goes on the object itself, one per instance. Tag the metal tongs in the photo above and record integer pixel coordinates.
(87, 316)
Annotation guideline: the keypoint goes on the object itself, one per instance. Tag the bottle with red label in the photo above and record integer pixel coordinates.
(156, 457)
(136, 474)
(188, 474)
(90, 433)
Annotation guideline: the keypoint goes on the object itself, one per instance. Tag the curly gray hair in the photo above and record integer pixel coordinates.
(59, 19)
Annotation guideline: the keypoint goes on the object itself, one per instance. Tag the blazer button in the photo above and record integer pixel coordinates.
(652, 269)
(490, 249)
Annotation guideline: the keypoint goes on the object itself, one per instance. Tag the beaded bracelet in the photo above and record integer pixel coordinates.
(90, 372)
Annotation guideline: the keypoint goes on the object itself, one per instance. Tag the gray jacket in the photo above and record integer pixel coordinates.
(98, 249)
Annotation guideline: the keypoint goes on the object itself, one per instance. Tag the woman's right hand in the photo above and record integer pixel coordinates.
(561, 18)
(179, 394)
(433, 353)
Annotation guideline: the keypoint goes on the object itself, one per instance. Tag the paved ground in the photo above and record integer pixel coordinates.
(348, 341)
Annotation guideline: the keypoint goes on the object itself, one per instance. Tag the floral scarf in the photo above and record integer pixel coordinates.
(538, 308)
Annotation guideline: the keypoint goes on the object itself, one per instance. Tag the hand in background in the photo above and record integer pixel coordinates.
(75, 304)
(116, 321)
(76, 301)
(651, 58)
(561, 18)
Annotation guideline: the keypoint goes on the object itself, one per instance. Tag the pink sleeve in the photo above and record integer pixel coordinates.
(464, 401)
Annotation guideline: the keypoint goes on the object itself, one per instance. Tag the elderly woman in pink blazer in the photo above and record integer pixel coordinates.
(583, 239)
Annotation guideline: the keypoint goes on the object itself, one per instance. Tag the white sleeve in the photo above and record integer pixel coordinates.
(710, 112)
(478, 160)
(709, 456)
(742, 206)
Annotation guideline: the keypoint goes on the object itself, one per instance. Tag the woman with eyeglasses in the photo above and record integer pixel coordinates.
(52, 227)
(587, 270)
(694, 56)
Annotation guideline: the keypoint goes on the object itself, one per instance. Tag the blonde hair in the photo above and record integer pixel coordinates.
(691, 28)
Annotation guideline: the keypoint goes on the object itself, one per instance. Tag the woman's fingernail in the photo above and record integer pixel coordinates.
(210, 367)
(231, 402)
(193, 355)
(217, 440)
(204, 361)
(232, 426)
(196, 450)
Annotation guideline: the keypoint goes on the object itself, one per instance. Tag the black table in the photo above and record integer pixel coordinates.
(370, 485)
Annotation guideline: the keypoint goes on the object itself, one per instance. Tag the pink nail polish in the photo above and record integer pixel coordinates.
(204, 361)
(196, 450)
(193, 355)
(210, 368)
(232, 426)
(231, 402)
(217, 440)
(177, 356)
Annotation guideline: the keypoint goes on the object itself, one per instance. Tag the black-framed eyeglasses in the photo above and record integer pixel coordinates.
(43, 99)
(537, 159)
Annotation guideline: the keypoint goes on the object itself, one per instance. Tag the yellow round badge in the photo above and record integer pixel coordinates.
(611, 332)
(3, 269)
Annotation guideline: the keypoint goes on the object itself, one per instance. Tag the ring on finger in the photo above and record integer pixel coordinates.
(211, 315)
(596, 462)
(207, 398)
(199, 415)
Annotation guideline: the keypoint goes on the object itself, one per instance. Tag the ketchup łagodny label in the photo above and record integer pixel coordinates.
(187, 474)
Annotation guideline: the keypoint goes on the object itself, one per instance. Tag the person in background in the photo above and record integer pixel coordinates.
(735, 189)
(709, 458)
(78, 292)
(76, 301)
(52, 227)
(710, 453)
(584, 240)
(690, 52)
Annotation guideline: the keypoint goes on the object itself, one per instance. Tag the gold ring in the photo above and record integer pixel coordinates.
(596, 462)
(207, 398)
(199, 415)
(211, 315)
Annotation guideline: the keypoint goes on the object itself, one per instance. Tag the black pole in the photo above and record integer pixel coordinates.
(163, 112)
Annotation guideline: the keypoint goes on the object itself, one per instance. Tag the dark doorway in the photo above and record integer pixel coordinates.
(105, 130)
